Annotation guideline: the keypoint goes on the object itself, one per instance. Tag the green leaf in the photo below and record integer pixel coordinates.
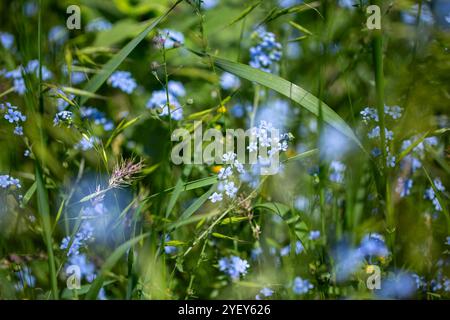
(96, 82)
(174, 197)
(289, 90)
(231, 220)
(109, 264)
(245, 13)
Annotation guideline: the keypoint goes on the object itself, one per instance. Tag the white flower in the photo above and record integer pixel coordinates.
(230, 189)
(215, 197)
(229, 157)
(224, 173)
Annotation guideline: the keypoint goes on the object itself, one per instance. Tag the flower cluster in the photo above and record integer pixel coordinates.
(158, 100)
(301, 286)
(98, 24)
(370, 116)
(58, 35)
(169, 39)
(287, 249)
(13, 116)
(63, 117)
(229, 81)
(234, 266)
(261, 137)
(98, 117)
(80, 240)
(7, 182)
(337, 170)
(431, 195)
(267, 52)
(86, 143)
(6, 40)
(264, 293)
(16, 75)
(26, 279)
(122, 80)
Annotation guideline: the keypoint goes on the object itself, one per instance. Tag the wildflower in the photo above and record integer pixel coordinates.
(373, 245)
(123, 81)
(97, 116)
(369, 114)
(6, 40)
(176, 88)
(18, 130)
(14, 116)
(7, 182)
(301, 203)
(266, 52)
(26, 279)
(159, 100)
(301, 286)
(229, 81)
(400, 285)
(420, 281)
(170, 39)
(337, 171)
(209, 4)
(169, 249)
(448, 241)
(26, 153)
(234, 266)
(58, 35)
(238, 111)
(65, 117)
(431, 195)
(287, 249)
(86, 143)
(87, 268)
(224, 173)
(264, 292)
(256, 252)
(84, 235)
(230, 189)
(404, 186)
(98, 24)
(394, 112)
(124, 173)
(215, 197)
(314, 234)
(33, 68)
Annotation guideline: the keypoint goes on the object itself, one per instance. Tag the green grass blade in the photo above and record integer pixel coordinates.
(96, 82)
(289, 90)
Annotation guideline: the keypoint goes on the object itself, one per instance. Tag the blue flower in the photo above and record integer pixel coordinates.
(264, 292)
(170, 39)
(238, 110)
(373, 245)
(176, 88)
(234, 266)
(289, 3)
(349, 4)
(58, 35)
(87, 268)
(26, 279)
(33, 68)
(97, 116)
(169, 249)
(301, 286)
(448, 241)
(267, 52)
(314, 234)
(431, 195)
(7, 181)
(65, 117)
(85, 143)
(7, 40)
(98, 24)
(337, 169)
(287, 249)
(256, 253)
(400, 285)
(404, 186)
(209, 4)
(123, 81)
(158, 100)
(229, 81)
